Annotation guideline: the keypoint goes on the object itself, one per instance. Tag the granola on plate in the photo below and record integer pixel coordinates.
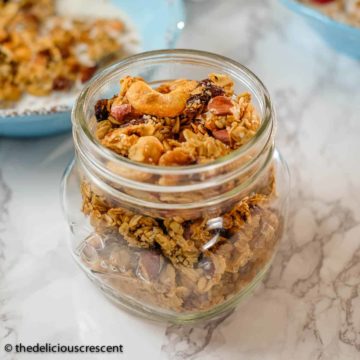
(42, 52)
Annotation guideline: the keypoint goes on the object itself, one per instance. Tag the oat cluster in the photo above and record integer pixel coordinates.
(41, 52)
(180, 261)
(182, 122)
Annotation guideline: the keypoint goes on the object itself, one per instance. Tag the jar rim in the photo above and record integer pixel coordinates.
(79, 118)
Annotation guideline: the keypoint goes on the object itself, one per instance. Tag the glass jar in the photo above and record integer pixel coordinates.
(175, 243)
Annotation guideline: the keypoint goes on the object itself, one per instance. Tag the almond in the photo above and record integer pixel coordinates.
(220, 105)
(222, 135)
(118, 112)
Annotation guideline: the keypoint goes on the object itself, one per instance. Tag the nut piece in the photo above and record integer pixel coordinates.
(149, 101)
(148, 149)
(222, 135)
(118, 112)
(220, 105)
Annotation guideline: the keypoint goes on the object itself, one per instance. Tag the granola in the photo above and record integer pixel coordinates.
(347, 11)
(42, 52)
(182, 262)
(183, 122)
(166, 262)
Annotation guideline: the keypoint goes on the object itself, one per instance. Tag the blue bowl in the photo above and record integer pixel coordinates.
(340, 36)
(158, 23)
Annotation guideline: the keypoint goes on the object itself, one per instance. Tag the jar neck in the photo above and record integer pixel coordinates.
(175, 187)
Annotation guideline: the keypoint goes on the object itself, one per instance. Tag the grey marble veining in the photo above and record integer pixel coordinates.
(184, 342)
(307, 308)
(315, 275)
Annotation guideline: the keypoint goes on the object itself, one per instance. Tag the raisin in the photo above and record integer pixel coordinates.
(213, 89)
(196, 103)
(225, 233)
(62, 83)
(101, 110)
(187, 230)
(202, 98)
(162, 226)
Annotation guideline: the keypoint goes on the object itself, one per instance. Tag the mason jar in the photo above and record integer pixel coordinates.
(214, 228)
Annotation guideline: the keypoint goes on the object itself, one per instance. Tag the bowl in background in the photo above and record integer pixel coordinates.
(158, 24)
(342, 37)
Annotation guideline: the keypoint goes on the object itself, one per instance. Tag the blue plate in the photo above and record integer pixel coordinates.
(342, 37)
(158, 23)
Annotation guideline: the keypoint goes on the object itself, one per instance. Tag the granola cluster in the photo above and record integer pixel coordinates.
(183, 122)
(41, 52)
(347, 11)
(178, 261)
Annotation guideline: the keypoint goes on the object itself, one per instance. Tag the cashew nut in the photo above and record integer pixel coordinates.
(167, 87)
(125, 83)
(149, 101)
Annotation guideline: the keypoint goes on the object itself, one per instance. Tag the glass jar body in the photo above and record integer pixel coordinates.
(235, 246)
(178, 244)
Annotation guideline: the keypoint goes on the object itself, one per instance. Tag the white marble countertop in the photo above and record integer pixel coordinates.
(309, 305)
